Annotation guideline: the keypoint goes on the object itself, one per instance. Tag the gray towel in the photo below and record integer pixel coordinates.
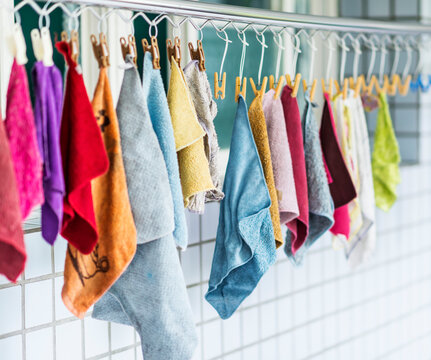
(206, 109)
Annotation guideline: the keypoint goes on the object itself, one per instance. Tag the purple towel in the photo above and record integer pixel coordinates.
(48, 89)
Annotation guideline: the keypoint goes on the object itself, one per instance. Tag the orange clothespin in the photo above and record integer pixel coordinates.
(174, 50)
(262, 89)
(73, 43)
(238, 90)
(198, 54)
(128, 47)
(153, 49)
(328, 90)
(295, 85)
(101, 50)
(313, 88)
(219, 91)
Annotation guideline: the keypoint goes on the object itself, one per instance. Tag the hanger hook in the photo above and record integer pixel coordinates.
(278, 40)
(44, 15)
(243, 52)
(372, 45)
(344, 51)
(73, 21)
(156, 30)
(356, 44)
(296, 51)
(383, 53)
(313, 48)
(331, 50)
(17, 17)
(227, 41)
(262, 54)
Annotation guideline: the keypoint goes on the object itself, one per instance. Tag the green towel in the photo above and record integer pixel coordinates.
(385, 159)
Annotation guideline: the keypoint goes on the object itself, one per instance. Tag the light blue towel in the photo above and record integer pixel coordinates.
(320, 204)
(245, 244)
(161, 118)
(151, 294)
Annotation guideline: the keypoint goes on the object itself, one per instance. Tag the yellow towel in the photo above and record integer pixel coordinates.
(88, 277)
(260, 134)
(193, 164)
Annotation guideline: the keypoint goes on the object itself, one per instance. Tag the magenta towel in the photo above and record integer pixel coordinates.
(299, 226)
(21, 132)
(280, 157)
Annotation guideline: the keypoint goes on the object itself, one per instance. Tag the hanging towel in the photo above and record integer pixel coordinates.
(281, 157)
(206, 110)
(245, 246)
(260, 134)
(84, 158)
(193, 164)
(385, 158)
(298, 228)
(151, 294)
(88, 277)
(155, 96)
(12, 247)
(21, 132)
(362, 244)
(48, 93)
(321, 206)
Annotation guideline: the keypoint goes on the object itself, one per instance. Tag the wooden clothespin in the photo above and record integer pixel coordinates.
(328, 90)
(101, 50)
(238, 90)
(198, 54)
(295, 85)
(219, 91)
(153, 49)
(278, 87)
(73, 43)
(262, 90)
(128, 47)
(174, 50)
(312, 88)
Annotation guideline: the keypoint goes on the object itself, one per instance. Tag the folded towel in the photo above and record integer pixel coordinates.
(260, 134)
(151, 294)
(385, 158)
(281, 157)
(321, 206)
(206, 110)
(298, 228)
(48, 93)
(245, 246)
(193, 164)
(12, 247)
(88, 277)
(84, 158)
(21, 132)
(155, 95)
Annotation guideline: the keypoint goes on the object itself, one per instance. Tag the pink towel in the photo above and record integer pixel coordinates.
(298, 226)
(280, 157)
(21, 131)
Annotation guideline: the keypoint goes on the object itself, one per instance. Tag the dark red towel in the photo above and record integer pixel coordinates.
(84, 158)
(299, 226)
(341, 185)
(12, 248)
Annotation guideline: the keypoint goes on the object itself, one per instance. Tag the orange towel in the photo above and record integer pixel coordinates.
(260, 134)
(88, 277)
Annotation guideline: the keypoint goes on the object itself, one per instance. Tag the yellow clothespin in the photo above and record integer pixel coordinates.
(238, 90)
(295, 85)
(313, 88)
(219, 91)
(277, 88)
(152, 48)
(128, 47)
(198, 54)
(328, 90)
(262, 89)
(101, 50)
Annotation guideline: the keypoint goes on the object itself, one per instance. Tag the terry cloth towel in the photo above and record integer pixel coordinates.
(362, 244)
(151, 294)
(193, 164)
(321, 206)
(88, 277)
(260, 134)
(48, 92)
(206, 110)
(155, 96)
(281, 158)
(385, 158)
(84, 158)
(245, 246)
(298, 228)
(21, 132)
(12, 247)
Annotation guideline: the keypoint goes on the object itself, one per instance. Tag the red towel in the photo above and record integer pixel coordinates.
(12, 248)
(299, 226)
(84, 158)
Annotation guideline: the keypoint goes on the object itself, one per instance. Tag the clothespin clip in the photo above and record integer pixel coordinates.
(153, 49)
(219, 91)
(101, 50)
(312, 86)
(73, 43)
(128, 47)
(278, 87)
(17, 45)
(294, 86)
(174, 50)
(238, 90)
(198, 54)
(36, 42)
(262, 90)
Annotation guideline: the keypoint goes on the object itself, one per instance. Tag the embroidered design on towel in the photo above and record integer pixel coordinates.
(321, 207)
(84, 158)
(298, 228)
(260, 134)
(280, 157)
(12, 248)
(21, 132)
(48, 92)
(88, 277)
(385, 159)
(194, 169)
(245, 246)
(206, 110)
(158, 109)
